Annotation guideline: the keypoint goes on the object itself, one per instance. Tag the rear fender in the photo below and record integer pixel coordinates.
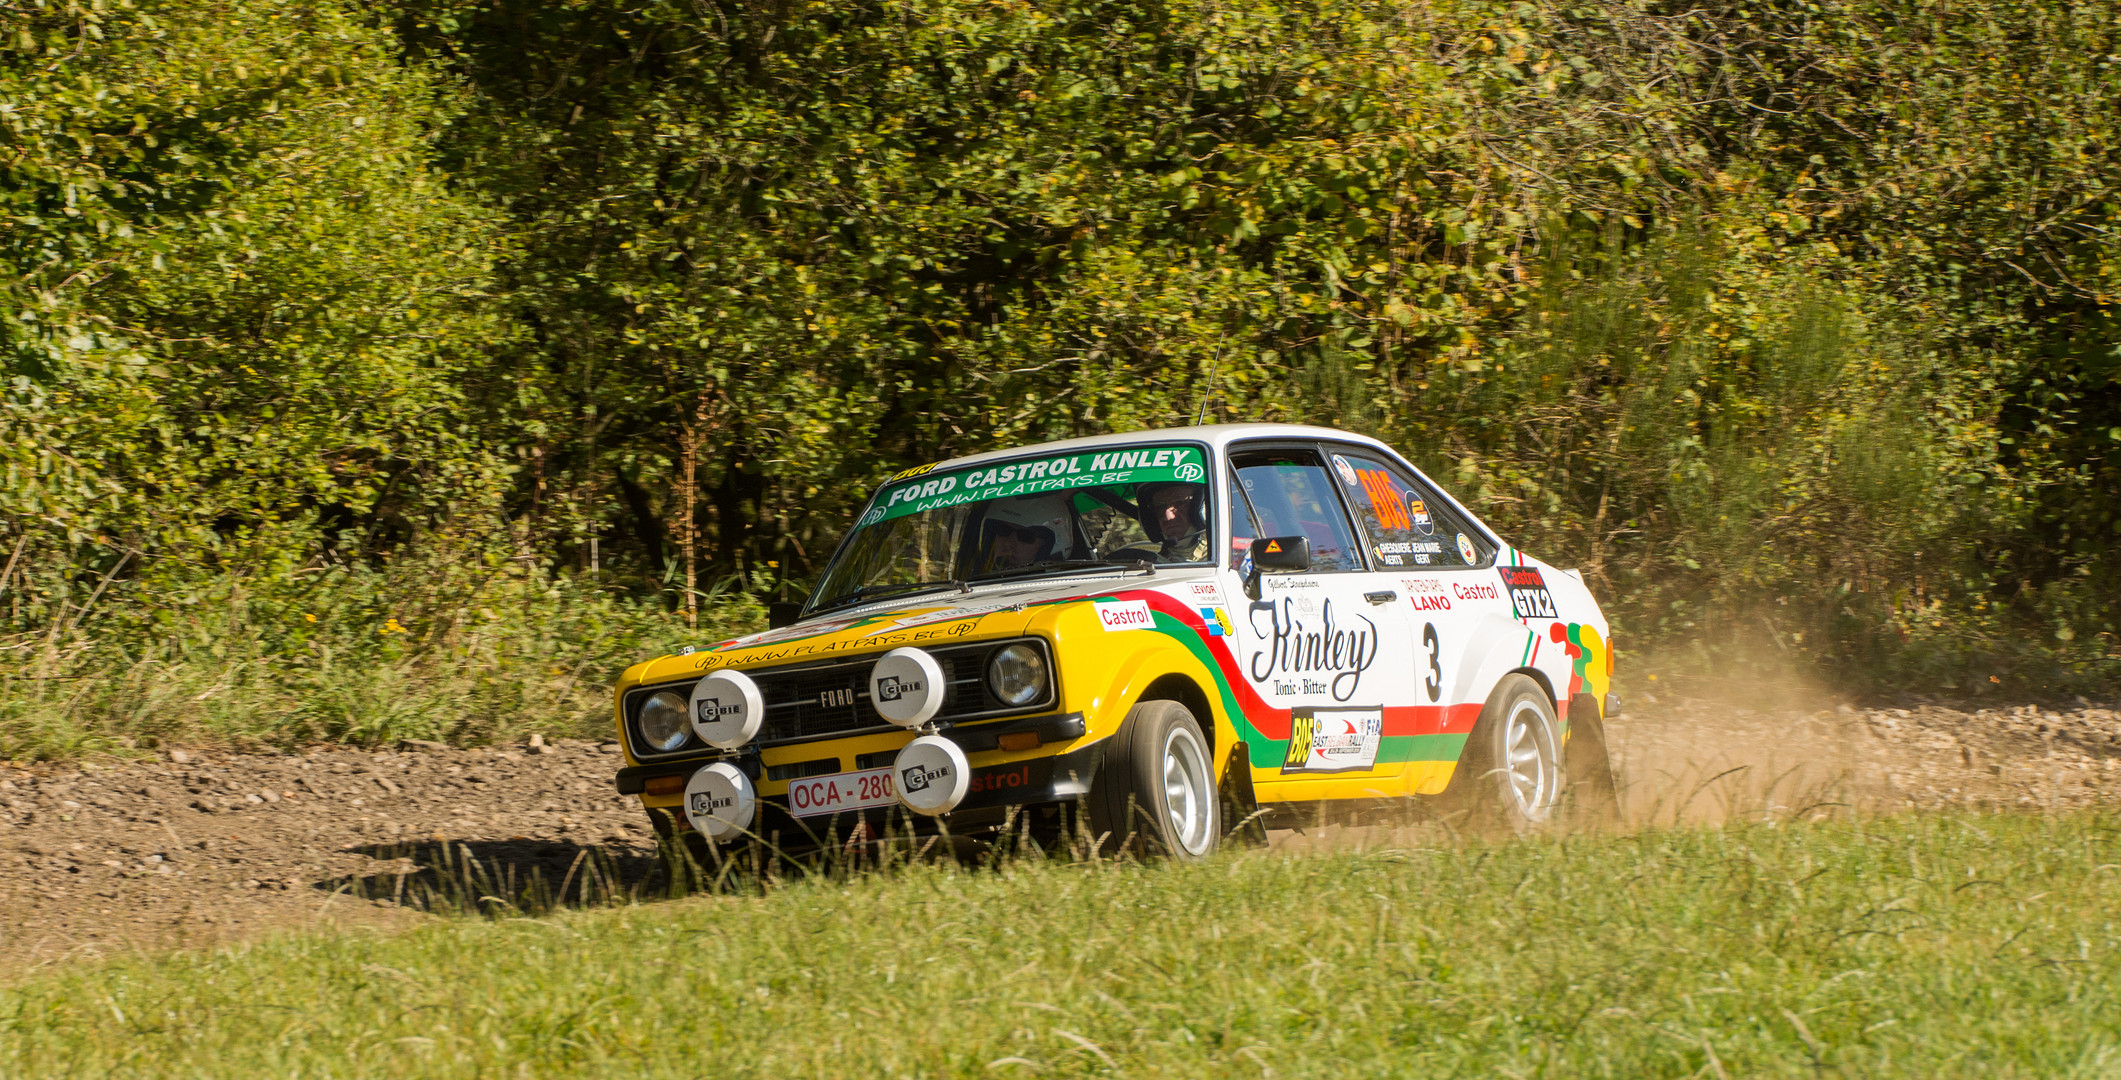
(1499, 647)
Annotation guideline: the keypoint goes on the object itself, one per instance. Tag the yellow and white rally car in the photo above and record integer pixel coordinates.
(1172, 629)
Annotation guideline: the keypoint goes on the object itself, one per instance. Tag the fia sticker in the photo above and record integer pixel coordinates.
(1465, 549)
(1124, 615)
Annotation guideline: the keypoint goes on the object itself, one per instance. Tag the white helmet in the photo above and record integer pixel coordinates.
(1048, 512)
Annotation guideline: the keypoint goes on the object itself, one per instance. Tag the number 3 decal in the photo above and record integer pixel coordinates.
(1435, 683)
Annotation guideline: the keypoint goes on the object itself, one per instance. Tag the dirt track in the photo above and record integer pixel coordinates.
(201, 847)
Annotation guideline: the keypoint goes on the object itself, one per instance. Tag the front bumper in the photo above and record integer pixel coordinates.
(1049, 778)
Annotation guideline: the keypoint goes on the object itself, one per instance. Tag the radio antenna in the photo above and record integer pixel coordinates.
(1208, 394)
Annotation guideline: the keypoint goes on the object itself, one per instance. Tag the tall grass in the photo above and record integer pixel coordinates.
(1954, 945)
(450, 644)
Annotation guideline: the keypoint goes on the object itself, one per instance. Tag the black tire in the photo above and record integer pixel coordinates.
(1509, 778)
(1155, 791)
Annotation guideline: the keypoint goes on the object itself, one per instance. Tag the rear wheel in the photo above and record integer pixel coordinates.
(1509, 777)
(1155, 792)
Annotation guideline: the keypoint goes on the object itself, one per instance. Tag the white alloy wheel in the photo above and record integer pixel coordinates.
(1189, 792)
(1154, 791)
(1509, 776)
(1531, 766)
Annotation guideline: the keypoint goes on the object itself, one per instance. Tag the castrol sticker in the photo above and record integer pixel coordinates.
(1125, 615)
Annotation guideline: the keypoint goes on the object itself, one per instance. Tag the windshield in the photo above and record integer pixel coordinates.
(1025, 517)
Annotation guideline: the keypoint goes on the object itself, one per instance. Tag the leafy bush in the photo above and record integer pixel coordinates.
(1789, 323)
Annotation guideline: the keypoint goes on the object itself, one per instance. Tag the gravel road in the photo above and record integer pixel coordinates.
(201, 847)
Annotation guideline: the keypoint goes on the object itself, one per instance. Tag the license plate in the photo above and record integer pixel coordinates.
(841, 791)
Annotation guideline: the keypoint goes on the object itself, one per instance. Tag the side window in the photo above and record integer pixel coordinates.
(1292, 495)
(1243, 530)
(1405, 523)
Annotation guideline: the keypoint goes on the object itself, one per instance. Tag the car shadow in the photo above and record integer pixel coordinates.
(529, 877)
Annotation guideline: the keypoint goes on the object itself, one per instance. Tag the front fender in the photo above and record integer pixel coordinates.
(1107, 673)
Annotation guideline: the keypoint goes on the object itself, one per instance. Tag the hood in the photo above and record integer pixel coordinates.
(1002, 609)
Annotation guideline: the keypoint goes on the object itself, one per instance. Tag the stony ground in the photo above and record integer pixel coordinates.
(199, 847)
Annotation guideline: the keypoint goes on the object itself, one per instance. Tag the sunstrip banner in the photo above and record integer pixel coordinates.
(1125, 465)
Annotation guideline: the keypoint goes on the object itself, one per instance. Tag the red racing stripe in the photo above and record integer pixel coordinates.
(1276, 723)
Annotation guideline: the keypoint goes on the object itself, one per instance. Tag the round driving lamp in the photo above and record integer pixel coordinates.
(663, 723)
(1017, 675)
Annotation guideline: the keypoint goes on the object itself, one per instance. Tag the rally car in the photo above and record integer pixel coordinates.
(1177, 631)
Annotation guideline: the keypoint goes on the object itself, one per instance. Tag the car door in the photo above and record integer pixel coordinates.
(1448, 591)
(1317, 649)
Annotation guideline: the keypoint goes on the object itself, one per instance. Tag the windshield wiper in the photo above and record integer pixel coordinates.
(1062, 566)
(873, 592)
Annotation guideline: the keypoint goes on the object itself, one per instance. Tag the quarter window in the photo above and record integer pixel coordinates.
(1406, 524)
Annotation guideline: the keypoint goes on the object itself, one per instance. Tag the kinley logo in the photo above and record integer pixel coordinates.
(890, 688)
(918, 777)
(1295, 647)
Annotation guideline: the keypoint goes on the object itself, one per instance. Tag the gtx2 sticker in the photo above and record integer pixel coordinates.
(1528, 592)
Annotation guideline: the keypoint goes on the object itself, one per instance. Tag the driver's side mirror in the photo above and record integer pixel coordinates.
(1275, 555)
(782, 614)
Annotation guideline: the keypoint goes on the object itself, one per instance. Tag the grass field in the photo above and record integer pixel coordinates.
(1960, 945)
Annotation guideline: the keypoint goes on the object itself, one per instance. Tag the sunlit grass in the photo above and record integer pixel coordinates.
(1915, 946)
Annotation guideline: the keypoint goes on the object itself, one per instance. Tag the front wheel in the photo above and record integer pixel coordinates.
(1509, 777)
(1155, 793)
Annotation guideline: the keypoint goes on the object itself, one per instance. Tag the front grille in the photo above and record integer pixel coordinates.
(831, 698)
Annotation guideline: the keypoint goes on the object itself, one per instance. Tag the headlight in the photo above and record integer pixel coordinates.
(1017, 675)
(663, 722)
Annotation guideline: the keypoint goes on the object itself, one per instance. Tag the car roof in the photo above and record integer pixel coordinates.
(1217, 436)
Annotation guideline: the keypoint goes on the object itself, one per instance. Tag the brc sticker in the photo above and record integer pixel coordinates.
(1419, 511)
(1125, 615)
(1333, 740)
(1346, 471)
(1465, 549)
(1528, 592)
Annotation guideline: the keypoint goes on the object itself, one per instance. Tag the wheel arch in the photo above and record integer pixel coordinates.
(1545, 683)
(1180, 687)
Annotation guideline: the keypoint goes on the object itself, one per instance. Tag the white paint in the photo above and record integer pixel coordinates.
(720, 801)
(1125, 615)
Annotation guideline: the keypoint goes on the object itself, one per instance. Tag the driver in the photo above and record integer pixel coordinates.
(1175, 515)
(1022, 531)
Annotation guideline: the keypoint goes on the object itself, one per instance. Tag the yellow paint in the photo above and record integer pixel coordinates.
(1102, 674)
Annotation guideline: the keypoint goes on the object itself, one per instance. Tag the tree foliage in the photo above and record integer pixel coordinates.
(1791, 323)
